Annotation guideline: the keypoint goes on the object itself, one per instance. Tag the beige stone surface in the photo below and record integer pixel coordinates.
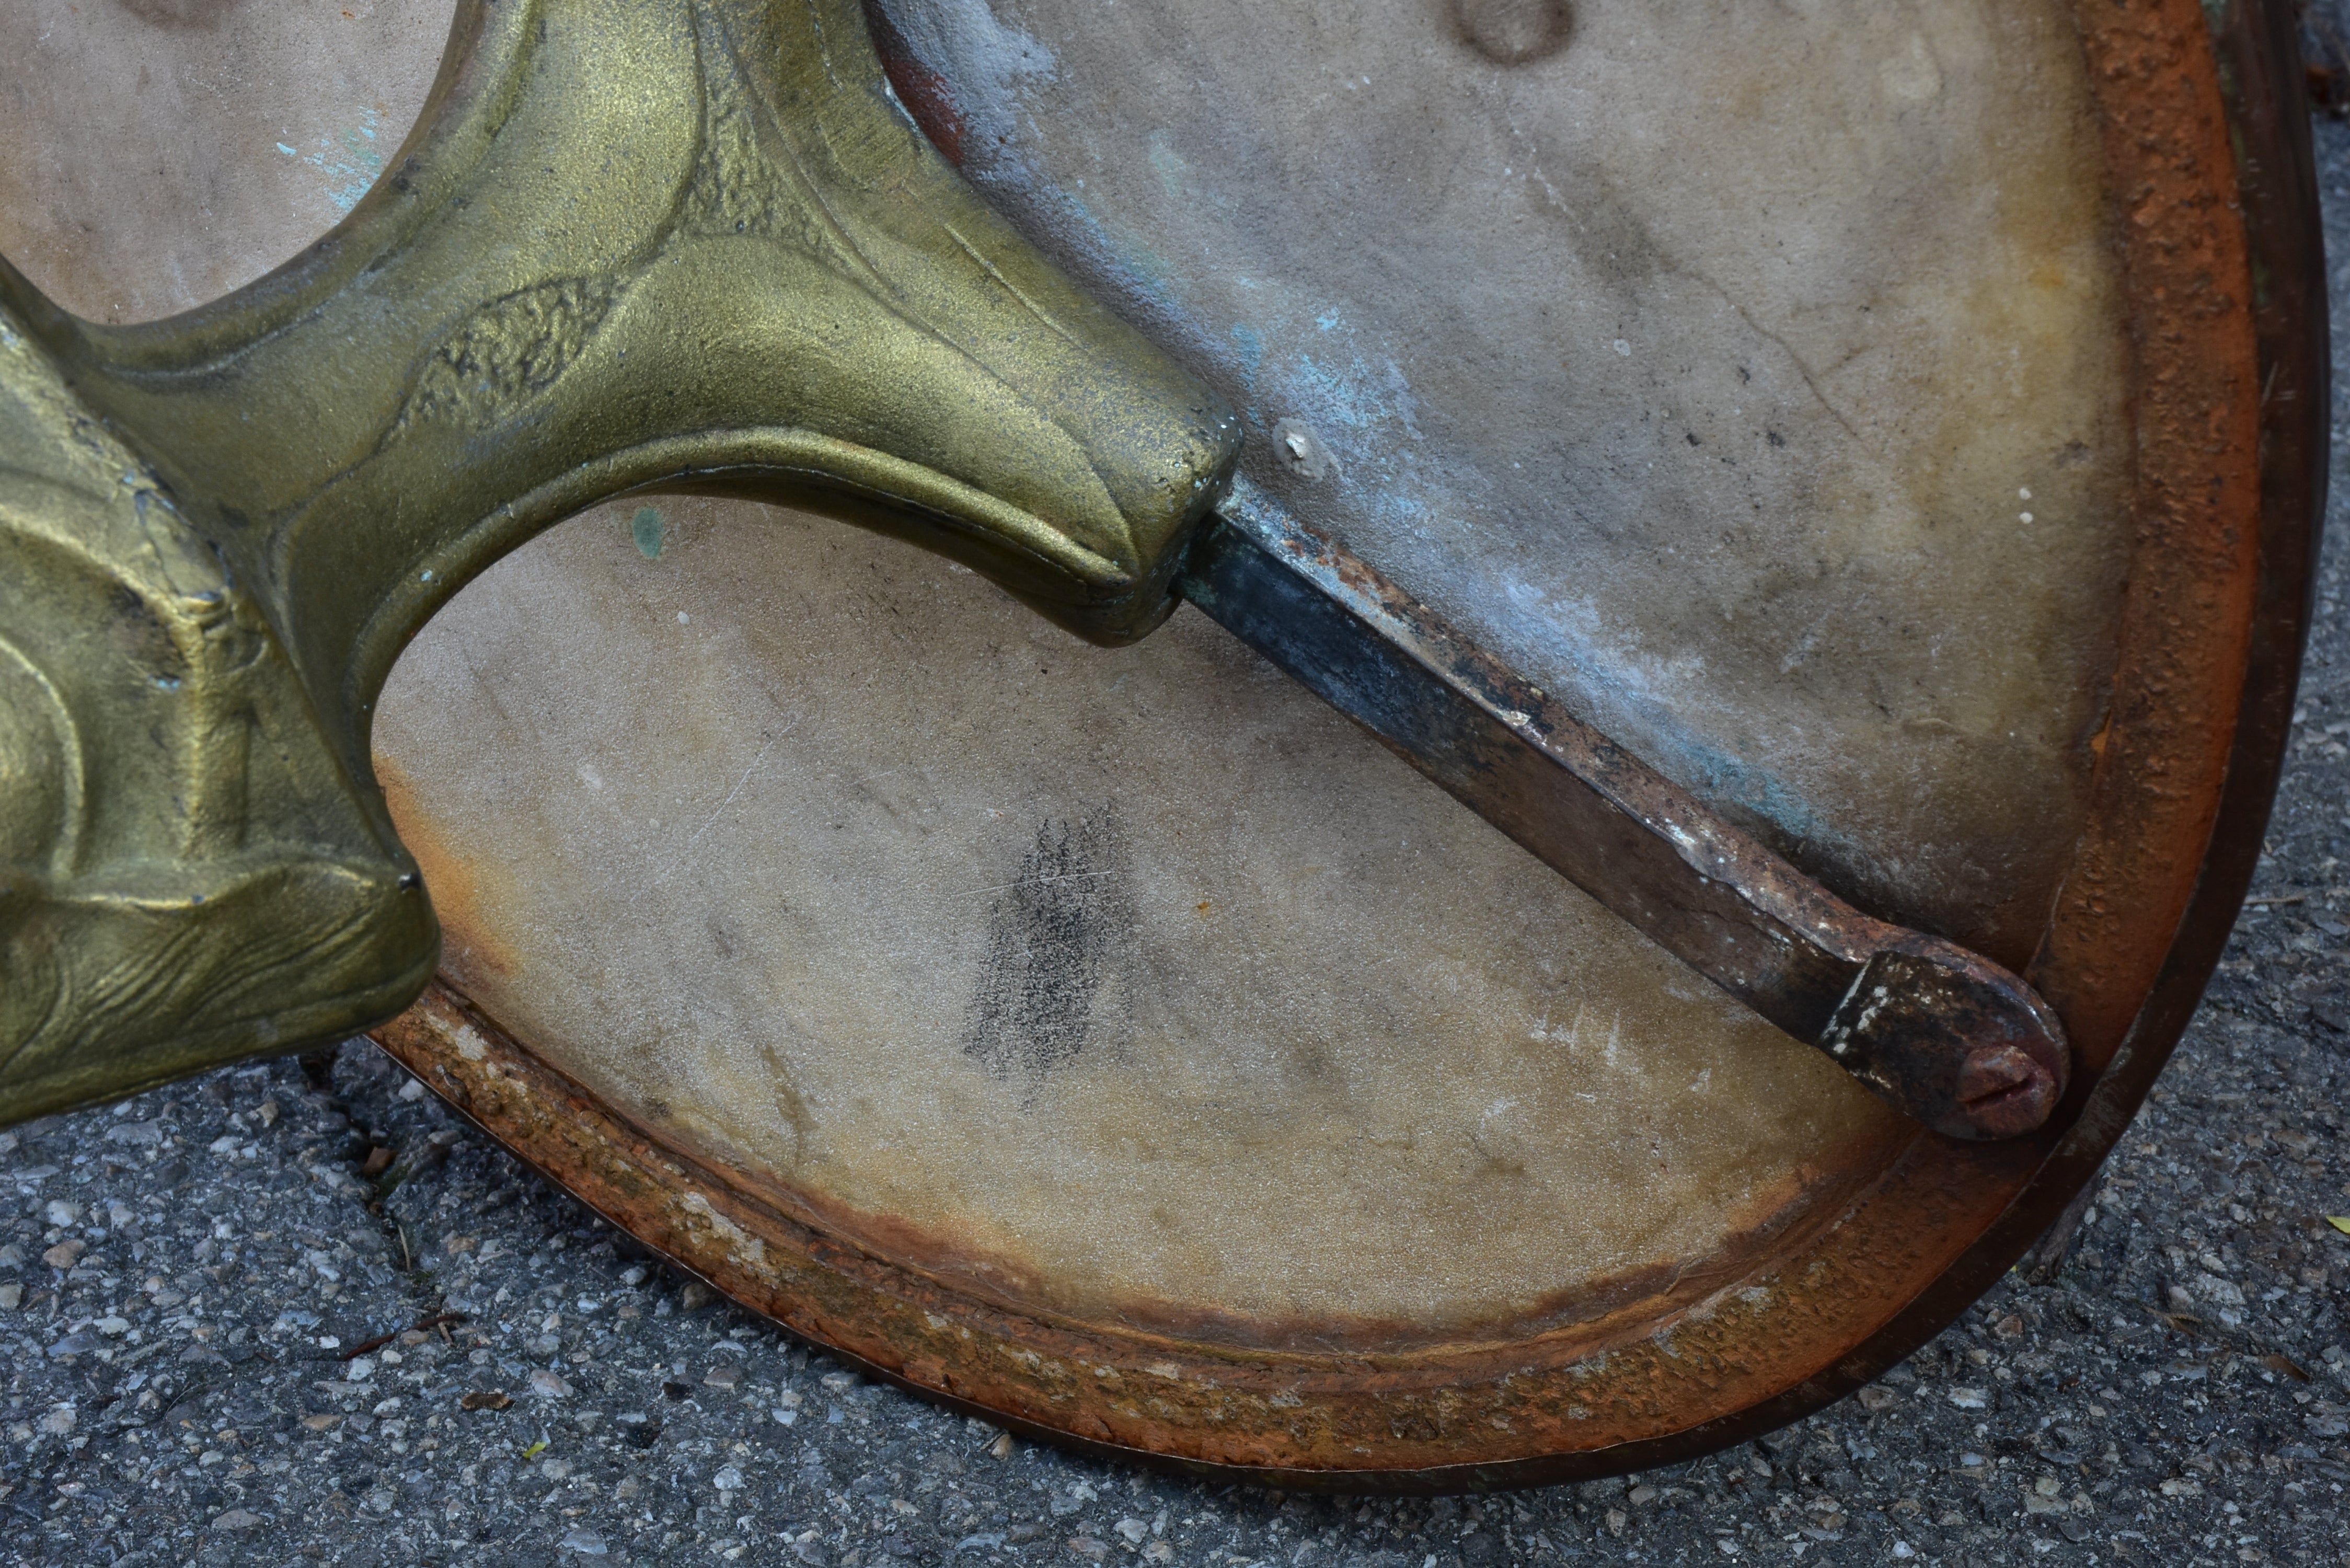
(157, 153)
(1139, 981)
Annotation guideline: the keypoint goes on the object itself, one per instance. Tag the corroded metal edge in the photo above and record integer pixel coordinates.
(2265, 126)
(2188, 606)
(1596, 1317)
(1386, 1420)
(2230, 486)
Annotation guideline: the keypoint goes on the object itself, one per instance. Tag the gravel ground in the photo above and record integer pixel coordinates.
(295, 1313)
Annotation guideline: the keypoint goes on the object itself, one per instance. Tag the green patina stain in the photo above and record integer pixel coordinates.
(649, 532)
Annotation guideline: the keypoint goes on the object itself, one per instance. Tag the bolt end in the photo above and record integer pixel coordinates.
(1953, 1039)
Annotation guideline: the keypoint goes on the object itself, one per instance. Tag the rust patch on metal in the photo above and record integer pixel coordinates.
(1352, 1418)
(454, 882)
(927, 99)
(2187, 611)
(1781, 1215)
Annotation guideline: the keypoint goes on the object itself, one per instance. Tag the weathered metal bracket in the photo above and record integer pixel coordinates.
(1942, 1033)
(690, 244)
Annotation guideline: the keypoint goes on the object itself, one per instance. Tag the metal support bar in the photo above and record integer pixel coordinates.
(1942, 1033)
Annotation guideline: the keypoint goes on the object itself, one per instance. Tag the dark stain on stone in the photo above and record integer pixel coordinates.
(1056, 936)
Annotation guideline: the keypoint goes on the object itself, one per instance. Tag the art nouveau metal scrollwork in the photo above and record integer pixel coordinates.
(680, 244)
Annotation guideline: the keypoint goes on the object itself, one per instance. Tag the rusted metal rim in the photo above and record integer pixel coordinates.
(2215, 219)
(2257, 53)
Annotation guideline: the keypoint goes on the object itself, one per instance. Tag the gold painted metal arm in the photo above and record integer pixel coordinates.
(633, 244)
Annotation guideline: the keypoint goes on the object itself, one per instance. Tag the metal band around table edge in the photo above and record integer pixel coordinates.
(1874, 1286)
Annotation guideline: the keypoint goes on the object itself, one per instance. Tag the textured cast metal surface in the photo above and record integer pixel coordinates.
(635, 243)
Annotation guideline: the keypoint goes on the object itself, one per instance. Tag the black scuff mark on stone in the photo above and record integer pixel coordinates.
(1057, 940)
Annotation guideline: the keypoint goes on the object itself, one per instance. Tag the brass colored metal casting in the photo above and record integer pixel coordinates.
(633, 244)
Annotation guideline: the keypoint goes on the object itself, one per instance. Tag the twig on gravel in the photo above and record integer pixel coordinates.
(439, 1320)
